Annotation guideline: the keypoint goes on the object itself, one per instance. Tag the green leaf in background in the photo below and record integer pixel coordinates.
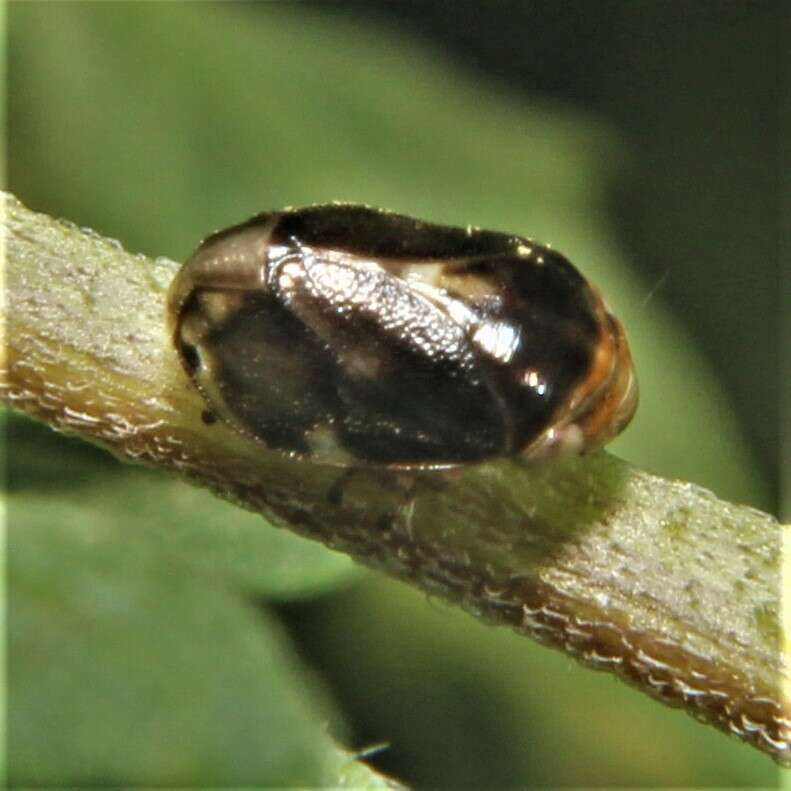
(127, 644)
(122, 662)
(134, 659)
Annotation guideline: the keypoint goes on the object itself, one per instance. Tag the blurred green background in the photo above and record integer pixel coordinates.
(159, 637)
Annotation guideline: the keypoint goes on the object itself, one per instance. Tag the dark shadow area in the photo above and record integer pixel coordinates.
(45, 461)
(408, 711)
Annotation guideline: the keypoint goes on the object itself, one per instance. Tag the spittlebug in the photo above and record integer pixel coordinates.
(352, 336)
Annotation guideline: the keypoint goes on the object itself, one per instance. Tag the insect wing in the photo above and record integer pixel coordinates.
(406, 376)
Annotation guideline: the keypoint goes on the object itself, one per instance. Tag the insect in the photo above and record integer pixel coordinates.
(352, 336)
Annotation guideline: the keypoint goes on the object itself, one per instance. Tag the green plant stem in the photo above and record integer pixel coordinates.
(656, 581)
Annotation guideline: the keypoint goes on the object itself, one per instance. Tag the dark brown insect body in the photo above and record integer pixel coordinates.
(353, 336)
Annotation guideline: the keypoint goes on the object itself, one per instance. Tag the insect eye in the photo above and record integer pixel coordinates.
(191, 357)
